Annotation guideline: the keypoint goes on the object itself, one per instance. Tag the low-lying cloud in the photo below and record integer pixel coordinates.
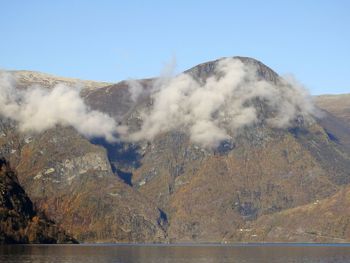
(227, 102)
(209, 111)
(36, 109)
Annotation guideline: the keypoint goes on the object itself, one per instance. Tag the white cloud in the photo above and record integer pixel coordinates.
(229, 100)
(223, 105)
(37, 109)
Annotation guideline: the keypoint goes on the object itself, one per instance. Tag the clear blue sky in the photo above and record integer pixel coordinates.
(114, 40)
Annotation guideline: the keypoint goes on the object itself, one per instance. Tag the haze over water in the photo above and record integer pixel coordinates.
(269, 253)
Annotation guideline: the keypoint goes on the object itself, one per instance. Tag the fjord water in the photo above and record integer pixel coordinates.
(244, 253)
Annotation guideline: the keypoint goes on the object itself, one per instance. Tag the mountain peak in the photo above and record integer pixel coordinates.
(204, 70)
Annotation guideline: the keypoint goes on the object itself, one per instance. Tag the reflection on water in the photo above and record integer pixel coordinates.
(268, 253)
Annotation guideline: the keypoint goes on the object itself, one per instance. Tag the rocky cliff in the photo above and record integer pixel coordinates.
(71, 180)
(20, 222)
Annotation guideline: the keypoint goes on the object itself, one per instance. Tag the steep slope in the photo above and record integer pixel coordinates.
(71, 181)
(206, 193)
(19, 221)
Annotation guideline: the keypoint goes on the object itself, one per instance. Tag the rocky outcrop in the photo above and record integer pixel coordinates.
(71, 180)
(20, 222)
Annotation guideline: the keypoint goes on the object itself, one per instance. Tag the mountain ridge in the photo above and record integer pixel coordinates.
(50, 80)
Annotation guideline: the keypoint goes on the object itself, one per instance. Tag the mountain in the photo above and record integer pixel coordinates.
(170, 188)
(336, 116)
(27, 78)
(325, 220)
(338, 105)
(19, 221)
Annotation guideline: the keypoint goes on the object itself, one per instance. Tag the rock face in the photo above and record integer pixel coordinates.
(170, 189)
(19, 221)
(71, 180)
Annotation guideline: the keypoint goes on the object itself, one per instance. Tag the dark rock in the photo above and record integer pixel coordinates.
(19, 220)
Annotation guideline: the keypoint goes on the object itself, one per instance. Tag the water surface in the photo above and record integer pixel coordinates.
(242, 253)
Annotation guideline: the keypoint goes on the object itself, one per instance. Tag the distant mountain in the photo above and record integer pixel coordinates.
(338, 105)
(19, 221)
(253, 185)
(325, 220)
(336, 116)
(25, 78)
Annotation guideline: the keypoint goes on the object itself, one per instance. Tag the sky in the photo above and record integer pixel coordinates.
(116, 40)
